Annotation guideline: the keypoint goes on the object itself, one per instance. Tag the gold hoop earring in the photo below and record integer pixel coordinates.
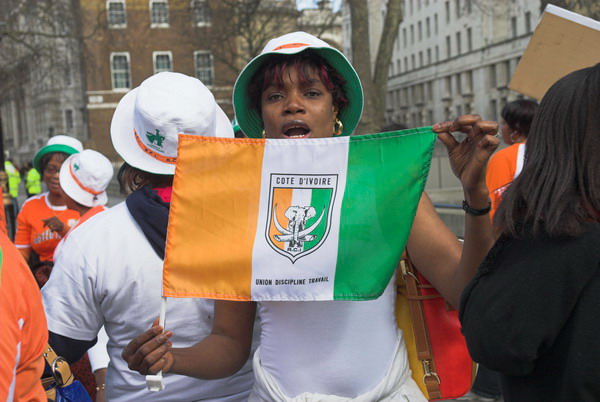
(264, 134)
(340, 127)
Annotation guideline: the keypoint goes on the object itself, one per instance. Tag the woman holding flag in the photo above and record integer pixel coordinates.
(299, 88)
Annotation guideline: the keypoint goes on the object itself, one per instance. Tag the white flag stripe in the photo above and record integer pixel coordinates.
(301, 197)
(321, 263)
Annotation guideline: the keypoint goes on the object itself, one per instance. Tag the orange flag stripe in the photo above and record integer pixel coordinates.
(282, 197)
(219, 228)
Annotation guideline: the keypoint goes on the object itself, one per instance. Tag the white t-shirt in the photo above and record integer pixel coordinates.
(108, 274)
(341, 348)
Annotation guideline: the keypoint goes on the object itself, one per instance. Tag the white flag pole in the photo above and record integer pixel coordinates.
(155, 382)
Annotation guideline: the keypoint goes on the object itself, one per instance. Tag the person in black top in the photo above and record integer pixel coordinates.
(531, 312)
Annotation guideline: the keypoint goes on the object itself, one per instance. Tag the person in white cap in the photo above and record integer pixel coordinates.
(300, 87)
(109, 271)
(84, 178)
(45, 218)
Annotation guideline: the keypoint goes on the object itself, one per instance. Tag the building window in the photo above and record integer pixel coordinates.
(406, 67)
(412, 34)
(469, 39)
(120, 71)
(458, 43)
(200, 12)
(203, 64)
(448, 86)
(159, 13)
(412, 61)
(116, 15)
(429, 55)
(448, 47)
(492, 76)
(457, 6)
(437, 53)
(404, 37)
(469, 6)
(447, 12)
(420, 25)
(163, 61)
(459, 88)
(69, 120)
(513, 25)
(398, 67)
(528, 22)
(494, 109)
(469, 82)
(428, 26)
(435, 20)
(421, 63)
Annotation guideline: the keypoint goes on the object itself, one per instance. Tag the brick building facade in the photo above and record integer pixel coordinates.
(141, 38)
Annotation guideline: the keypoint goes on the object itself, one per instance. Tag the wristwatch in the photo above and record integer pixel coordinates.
(475, 211)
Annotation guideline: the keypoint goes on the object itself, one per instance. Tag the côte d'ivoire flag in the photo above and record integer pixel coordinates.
(279, 219)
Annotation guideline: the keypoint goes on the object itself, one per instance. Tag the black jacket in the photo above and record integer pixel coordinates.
(532, 313)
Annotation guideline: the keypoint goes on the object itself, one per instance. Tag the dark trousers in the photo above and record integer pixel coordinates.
(487, 383)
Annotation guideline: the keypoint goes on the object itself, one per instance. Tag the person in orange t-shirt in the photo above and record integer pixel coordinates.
(507, 163)
(23, 328)
(45, 218)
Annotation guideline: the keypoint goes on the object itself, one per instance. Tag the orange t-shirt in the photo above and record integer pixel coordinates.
(23, 329)
(31, 231)
(504, 166)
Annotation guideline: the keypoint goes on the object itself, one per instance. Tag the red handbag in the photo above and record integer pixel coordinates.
(437, 351)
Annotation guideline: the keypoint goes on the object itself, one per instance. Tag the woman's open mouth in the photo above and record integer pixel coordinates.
(295, 129)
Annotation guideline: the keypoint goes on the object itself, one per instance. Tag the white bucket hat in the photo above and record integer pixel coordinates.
(84, 177)
(250, 120)
(149, 118)
(58, 143)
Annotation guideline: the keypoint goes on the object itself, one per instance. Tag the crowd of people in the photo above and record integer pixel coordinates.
(524, 282)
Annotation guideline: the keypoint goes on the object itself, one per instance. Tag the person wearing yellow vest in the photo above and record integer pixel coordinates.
(14, 178)
(32, 181)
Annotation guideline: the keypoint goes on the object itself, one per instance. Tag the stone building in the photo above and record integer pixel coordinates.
(453, 57)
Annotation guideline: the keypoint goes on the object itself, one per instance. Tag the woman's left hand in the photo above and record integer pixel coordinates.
(469, 158)
(55, 225)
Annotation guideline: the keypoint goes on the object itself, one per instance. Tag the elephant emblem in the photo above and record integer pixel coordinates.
(296, 232)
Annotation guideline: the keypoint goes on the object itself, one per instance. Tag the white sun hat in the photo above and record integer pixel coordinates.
(149, 118)
(249, 119)
(84, 177)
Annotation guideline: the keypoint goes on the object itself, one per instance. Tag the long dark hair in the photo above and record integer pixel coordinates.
(131, 179)
(559, 187)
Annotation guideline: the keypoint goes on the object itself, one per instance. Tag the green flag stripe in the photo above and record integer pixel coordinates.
(378, 208)
(319, 199)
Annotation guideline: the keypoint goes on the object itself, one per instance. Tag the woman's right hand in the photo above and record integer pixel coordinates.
(150, 352)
